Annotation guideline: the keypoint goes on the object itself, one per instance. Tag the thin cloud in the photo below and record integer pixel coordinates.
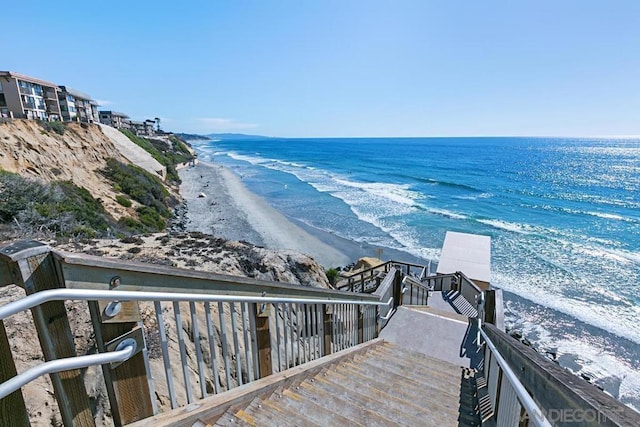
(217, 124)
(104, 102)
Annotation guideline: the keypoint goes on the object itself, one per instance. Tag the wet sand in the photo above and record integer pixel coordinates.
(228, 209)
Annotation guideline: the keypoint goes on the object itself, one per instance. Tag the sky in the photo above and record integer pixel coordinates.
(342, 68)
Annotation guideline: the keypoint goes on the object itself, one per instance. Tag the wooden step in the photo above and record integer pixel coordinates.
(309, 409)
(419, 358)
(420, 364)
(230, 419)
(269, 412)
(430, 380)
(323, 394)
(406, 392)
(358, 395)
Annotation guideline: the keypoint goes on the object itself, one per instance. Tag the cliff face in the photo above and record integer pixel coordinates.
(76, 155)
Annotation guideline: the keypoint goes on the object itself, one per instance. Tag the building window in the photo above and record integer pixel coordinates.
(3, 101)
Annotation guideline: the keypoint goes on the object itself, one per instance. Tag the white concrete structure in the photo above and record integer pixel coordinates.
(468, 253)
(134, 153)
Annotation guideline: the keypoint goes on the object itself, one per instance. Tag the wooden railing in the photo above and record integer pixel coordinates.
(208, 332)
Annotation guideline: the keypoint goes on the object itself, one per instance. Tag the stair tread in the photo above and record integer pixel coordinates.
(423, 359)
(343, 390)
(230, 419)
(417, 362)
(307, 409)
(407, 391)
(412, 370)
(449, 384)
(325, 398)
(267, 412)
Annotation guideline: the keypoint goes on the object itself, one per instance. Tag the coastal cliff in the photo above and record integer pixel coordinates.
(35, 159)
(77, 179)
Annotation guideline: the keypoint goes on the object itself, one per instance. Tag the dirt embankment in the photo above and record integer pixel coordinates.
(76, 155)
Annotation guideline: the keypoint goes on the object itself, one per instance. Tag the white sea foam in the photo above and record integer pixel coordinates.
(474, 197)
(545, 293)
(445, 212)
(508, 226)
(605, 215)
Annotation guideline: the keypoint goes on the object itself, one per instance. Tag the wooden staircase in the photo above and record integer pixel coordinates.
(380, 385)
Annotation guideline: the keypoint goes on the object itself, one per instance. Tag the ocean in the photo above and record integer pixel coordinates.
(563, 215)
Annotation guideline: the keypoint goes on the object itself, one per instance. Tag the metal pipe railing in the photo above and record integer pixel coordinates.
(533, 410)
(38, 298)
(66, 364)
(302, 334)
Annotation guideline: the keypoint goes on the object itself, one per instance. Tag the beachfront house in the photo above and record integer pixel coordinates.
(115, 119)
(28, 98)
(77, 106)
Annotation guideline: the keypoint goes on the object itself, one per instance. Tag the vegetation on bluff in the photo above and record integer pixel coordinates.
(57, 208)
(166, 155)
(144, 188)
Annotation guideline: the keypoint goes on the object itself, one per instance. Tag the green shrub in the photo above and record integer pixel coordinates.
(60, 207)
(123, 201)
(145, 189)
(332, 275)
(131, 224)
(57, 127)
(166, 156)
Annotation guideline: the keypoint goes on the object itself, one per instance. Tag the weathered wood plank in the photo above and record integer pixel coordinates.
(263, 340)
(38, 273)
(12, 408)
(212, 407)
(555, 388)
(328, 328)
(130, 379)
(90, 272)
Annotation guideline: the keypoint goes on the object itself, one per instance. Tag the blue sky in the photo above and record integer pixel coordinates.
(343, 68)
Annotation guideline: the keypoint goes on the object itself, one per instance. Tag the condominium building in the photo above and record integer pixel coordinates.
(115, 119)
(77, 106)
(28, 98)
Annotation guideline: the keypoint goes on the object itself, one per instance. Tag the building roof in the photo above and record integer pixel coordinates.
(468, 253)
(28, 79)
(76, 93)
(115, 113)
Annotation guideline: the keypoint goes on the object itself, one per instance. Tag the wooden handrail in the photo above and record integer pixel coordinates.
(91, 272)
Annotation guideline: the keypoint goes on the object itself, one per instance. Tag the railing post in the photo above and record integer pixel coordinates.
(33, 268)
(263, 339)
(13, 411)
(328, 328)
(128, 383)
(360, 324)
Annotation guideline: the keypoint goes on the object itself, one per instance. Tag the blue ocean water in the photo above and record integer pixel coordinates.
(563, 215)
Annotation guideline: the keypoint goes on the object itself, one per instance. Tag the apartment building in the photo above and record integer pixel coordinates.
(115, 119)
(28, 98)
(77, 106)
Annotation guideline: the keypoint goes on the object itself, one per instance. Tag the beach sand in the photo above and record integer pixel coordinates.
(231, 211)
(228, 209)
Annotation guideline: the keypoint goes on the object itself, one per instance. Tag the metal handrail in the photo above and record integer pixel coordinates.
(38, 298)
(128, 348)
(535, 413)
(66, 364)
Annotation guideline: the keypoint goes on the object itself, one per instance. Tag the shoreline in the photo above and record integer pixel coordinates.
(229, 210)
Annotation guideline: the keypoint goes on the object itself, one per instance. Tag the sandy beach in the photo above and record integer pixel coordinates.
(228, 209)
